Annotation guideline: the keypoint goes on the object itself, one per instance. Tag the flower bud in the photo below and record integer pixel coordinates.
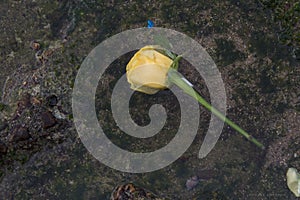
(147, 70)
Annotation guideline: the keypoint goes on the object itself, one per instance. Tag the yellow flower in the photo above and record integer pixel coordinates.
(147, 70)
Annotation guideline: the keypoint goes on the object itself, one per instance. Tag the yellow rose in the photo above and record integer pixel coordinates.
(147, 70)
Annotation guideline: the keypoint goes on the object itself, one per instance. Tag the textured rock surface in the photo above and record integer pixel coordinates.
(40, 152)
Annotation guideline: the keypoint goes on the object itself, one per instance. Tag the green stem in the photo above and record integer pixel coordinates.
(175, 77)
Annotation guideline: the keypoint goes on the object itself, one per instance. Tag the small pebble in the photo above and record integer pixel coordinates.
(47, 119)
(35, 45)
(58, 115)
(192, 182)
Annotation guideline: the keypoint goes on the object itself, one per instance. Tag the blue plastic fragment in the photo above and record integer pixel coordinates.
(150, 23)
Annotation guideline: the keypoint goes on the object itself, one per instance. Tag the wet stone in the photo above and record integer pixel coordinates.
(20, 134)
(47, 119)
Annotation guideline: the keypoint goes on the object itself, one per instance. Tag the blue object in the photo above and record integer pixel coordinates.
(150, 23)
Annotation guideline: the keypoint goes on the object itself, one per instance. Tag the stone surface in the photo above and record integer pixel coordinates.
(254, 44)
